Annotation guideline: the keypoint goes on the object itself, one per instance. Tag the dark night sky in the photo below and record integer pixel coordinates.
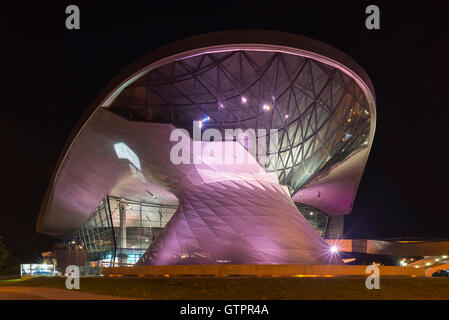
(50, 75)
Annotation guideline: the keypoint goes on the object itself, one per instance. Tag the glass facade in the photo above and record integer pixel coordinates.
(322, 116)
(317, 218)
(120, 231)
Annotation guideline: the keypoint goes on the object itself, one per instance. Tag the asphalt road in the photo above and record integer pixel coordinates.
(34, 293)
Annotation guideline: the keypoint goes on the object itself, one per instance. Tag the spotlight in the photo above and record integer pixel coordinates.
(244, 100)
(266, 107)
(333, 249)
(286, 116)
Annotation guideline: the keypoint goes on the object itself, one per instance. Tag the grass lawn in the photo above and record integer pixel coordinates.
(252, 288)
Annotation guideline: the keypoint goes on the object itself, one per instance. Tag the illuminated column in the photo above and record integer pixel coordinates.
(122, 244)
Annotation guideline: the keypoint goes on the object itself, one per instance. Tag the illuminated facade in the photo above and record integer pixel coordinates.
(118, 192)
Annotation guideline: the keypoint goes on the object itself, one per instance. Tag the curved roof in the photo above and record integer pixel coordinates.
(216, 43)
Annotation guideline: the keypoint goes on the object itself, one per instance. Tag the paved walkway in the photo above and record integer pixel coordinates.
(35, 293)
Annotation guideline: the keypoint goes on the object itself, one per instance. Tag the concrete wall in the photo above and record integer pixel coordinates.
(421, 248)
(431, 248)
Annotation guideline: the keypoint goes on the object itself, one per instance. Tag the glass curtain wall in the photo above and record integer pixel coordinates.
(315, 217)
(95, 236)
(136, 226)
(120, 231)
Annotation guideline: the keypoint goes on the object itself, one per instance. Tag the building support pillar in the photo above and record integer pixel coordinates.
(122, 256)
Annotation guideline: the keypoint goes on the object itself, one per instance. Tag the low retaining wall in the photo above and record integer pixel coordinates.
(259, 271)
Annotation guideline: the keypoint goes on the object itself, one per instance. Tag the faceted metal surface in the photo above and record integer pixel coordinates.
(238, 222)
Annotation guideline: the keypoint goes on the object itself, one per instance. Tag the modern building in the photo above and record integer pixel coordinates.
(241, 147)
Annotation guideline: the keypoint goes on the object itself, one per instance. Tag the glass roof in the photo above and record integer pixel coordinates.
(321, 114)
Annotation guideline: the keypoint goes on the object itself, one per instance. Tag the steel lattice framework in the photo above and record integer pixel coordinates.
(321, 113)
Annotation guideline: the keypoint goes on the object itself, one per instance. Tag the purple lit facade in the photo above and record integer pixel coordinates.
(319, 101)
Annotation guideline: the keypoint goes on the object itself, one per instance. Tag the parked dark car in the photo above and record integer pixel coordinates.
(441, 273)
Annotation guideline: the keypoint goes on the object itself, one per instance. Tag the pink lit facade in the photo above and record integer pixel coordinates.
(320, 103)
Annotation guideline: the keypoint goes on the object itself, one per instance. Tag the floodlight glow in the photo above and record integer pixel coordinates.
(334, 249)
(444, 257)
